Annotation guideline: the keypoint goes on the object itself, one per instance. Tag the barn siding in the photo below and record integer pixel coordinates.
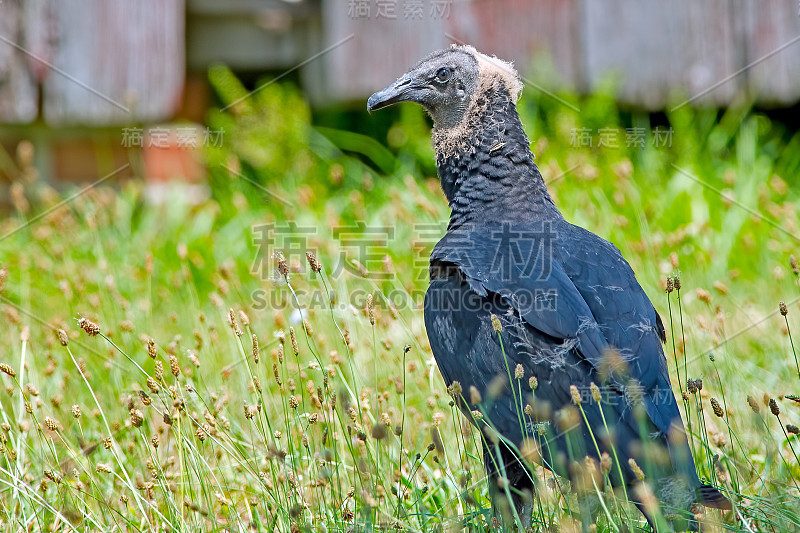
(129, 67)
(121, 61)
(663, 52)
(535, 35)
(658, 48)
(774, 78)
(369, 48)
(380, 47)
(18, 90)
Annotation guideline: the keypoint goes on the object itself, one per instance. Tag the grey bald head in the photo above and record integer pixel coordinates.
(442, 83)
(446, 82)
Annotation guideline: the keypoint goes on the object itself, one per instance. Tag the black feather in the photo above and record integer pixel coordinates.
(568, 301)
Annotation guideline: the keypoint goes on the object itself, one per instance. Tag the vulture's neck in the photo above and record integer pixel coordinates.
(485, 163)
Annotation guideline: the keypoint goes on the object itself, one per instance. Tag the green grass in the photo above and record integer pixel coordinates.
(344, 419)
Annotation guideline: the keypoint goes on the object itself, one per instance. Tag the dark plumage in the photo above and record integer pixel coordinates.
(570, 308)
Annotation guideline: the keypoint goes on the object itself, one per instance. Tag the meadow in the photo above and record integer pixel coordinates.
(257, 360)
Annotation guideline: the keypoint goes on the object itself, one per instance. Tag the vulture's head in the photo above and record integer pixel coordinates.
(446, 83)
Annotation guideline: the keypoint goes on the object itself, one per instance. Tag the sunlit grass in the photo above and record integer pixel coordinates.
(223, 388)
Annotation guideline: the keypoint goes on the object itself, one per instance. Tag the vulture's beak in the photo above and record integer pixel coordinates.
(399, 91)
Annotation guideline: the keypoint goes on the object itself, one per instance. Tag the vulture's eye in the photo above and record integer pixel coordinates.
(443, 74)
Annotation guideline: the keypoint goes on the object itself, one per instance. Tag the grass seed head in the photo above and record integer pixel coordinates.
(670, 285)
(794, 265)
(533, 382)
(519, 372)
(773, 407)
(283, 267)
(474, 395)
(379, 432)
(753, 404)
(636, 469)
(88, 326)
(7, 369)
(234, 324)
(371, 309)
(53, 476)
(576, 395)
(454, 389)
(63, 338)
(152, 384)
(313, 262)
(703, 295)
(144, 398)
(496, 325)
(159, 370)
(783, 309)
(51, 423)
(605, 463)
(174, 366)
(715, 406)
(202, 432)
(293, 338)
(151, 348)
(137, 417)
(530, 451)
(255, 348)
(596, 396)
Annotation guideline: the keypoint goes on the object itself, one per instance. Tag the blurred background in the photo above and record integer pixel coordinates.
(89, 82)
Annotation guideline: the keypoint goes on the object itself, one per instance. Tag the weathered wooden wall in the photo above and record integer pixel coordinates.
(657, 48)
(19, 92)
(97, 62)
(107, 62)
(709, 51)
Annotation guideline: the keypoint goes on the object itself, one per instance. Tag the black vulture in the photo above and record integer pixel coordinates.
(538, 326)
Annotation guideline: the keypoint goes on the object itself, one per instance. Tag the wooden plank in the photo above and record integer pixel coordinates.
(539, 36)
(388, 37)
(657, 48)
(19, 92)
(119, 62)
(379, 41)
(773, 50)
